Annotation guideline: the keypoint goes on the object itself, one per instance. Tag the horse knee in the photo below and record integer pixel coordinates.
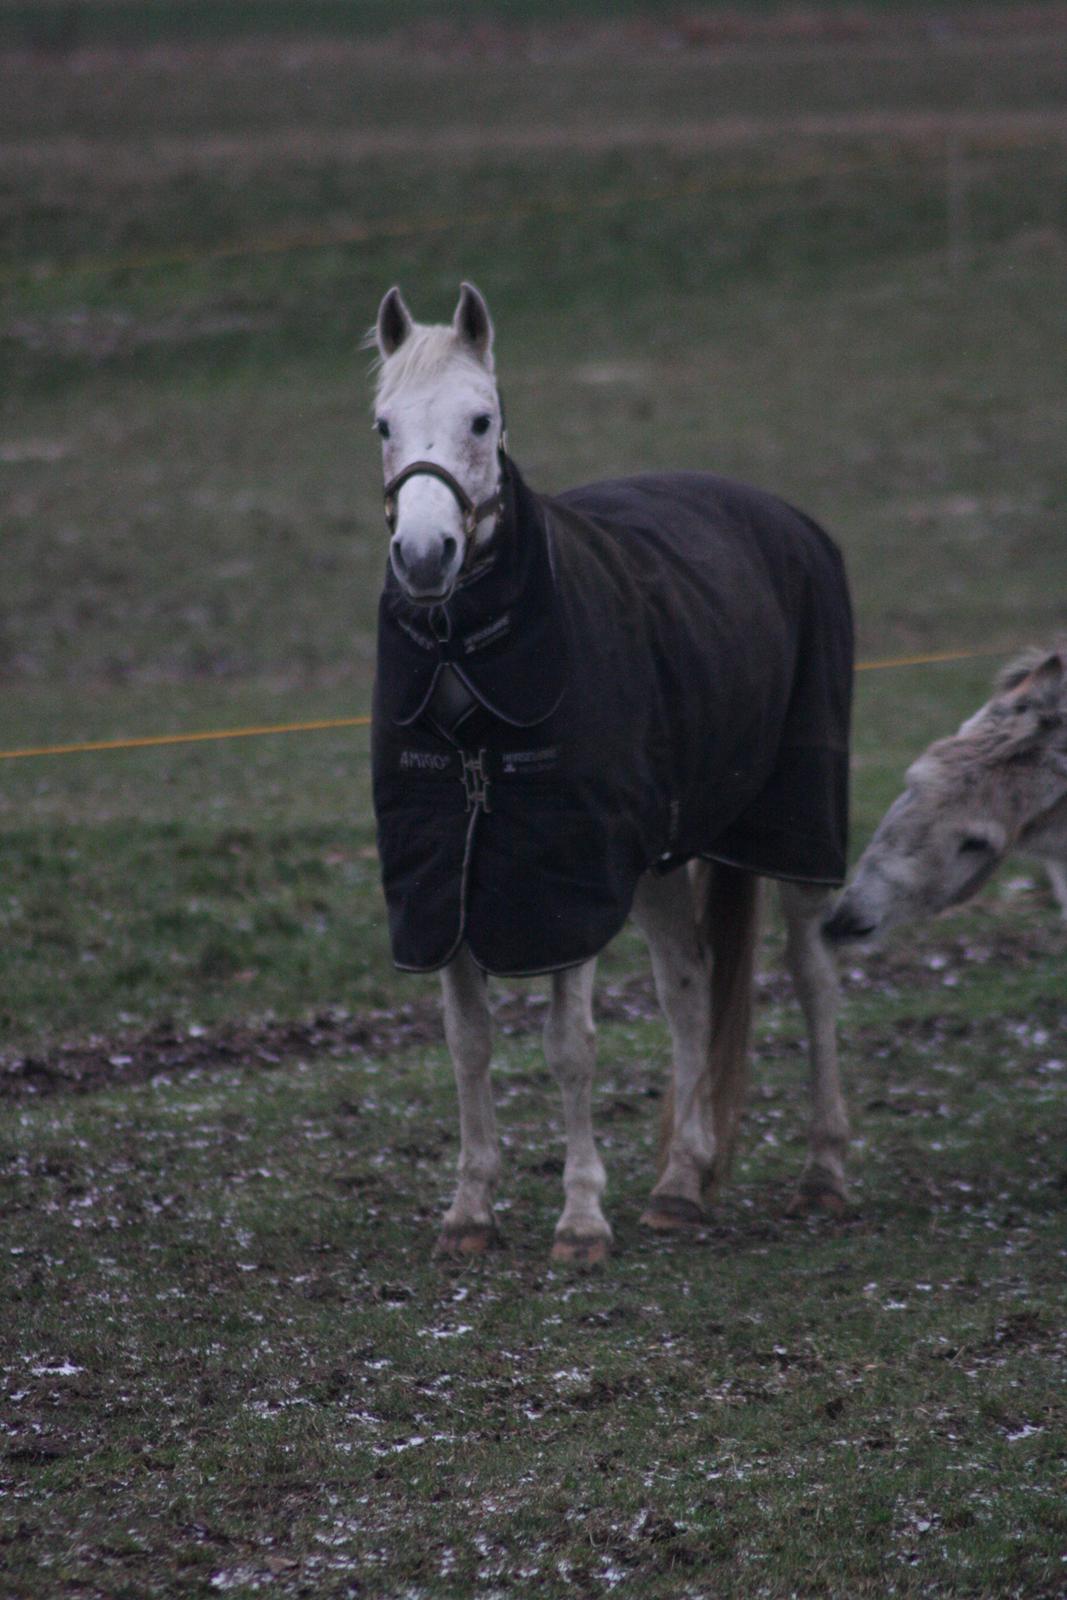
(570, 1051)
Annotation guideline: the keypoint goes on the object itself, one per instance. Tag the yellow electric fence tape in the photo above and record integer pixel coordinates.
(205, 737)
(324, 723)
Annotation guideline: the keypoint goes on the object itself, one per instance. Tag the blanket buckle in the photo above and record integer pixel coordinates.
(475, 780)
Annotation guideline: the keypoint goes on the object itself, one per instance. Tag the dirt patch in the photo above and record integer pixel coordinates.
(82, 1067)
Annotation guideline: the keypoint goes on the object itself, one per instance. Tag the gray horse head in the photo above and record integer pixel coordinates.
(998, 785)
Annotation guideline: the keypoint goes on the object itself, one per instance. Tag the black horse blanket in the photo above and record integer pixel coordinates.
(636, 672)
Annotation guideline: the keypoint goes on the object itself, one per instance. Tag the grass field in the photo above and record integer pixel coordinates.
(825, 258)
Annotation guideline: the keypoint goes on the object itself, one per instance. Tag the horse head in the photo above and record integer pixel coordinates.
(968, 802)
(438, 413)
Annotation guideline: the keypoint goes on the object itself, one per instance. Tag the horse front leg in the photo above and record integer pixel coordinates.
(469, 1227)
(814, 974)
(583, 1235)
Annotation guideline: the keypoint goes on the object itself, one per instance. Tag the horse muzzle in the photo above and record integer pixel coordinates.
(847, 924)
(426, 575)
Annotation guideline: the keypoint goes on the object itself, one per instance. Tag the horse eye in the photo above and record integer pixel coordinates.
(382, 427)
(481, 424)
(972, 845)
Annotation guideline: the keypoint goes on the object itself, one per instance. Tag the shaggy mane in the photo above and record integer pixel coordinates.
(994, 734)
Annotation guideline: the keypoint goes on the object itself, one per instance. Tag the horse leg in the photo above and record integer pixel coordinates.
(1057, 877)
(664, 910)
(583, 1235)
(811, 966)
(469, 1228)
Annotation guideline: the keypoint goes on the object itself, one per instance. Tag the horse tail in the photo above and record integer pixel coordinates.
(729, 920)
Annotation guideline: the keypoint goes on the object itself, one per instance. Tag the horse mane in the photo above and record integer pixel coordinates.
(997, 733)
(424, 356)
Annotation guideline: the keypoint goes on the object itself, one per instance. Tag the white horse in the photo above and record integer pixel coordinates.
(997, 786)
(449, 486)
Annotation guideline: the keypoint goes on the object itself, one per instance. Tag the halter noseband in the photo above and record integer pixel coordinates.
(473, 512)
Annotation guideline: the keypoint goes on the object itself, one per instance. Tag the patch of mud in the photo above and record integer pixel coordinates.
(81, 1068)
(904, 970)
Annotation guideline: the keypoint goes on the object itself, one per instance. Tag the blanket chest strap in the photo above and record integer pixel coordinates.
(475, 780)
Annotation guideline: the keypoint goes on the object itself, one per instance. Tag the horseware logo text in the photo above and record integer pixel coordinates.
(530, 760)
(423, 761)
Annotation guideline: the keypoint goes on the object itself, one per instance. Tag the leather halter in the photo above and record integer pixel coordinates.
(473, 511)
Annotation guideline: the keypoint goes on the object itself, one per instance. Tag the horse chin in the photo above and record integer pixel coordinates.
(438, 597)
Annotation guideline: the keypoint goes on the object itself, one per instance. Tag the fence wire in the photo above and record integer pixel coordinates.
(324, 724)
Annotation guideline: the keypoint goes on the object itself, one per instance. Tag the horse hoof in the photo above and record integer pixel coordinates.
(672, 1213)
(469, 1239)
(575, 1251)
(811, 1198)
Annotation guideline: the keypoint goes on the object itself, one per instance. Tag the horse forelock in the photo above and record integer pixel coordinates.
(428, 354)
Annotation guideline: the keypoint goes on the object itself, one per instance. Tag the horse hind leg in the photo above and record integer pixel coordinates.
(814, 974)
(469, 1227)
(1057, 877)
(664, 910)
(583, 1235)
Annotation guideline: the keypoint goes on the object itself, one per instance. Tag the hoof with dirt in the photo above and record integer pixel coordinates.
(471, 1239)
(818, 1194)
(672, 1213)
(572, 1250)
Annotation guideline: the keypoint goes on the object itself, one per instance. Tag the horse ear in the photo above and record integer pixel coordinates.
(1044, 672)
(1044, 689)
(473, 324)
(394, 323)
(1049, 680)
(1032, 714)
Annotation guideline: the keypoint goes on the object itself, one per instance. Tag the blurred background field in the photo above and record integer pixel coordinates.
(819, 248)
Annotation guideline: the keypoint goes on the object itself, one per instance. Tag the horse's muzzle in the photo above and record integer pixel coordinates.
(430, 577)
(845, 925)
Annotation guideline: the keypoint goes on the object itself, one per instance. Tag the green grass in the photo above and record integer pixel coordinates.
(233, 1348)
(229, 1363)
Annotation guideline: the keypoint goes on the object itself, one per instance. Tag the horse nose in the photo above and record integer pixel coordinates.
(845, 923)
(424, 572)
